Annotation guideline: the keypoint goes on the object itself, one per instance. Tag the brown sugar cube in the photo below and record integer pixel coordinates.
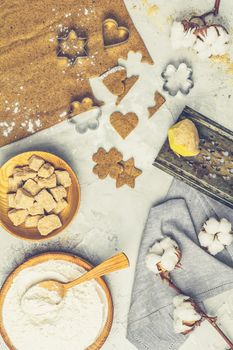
(32, 221)
(48, 182)
(23, 199)
(45, 199)
(31, 187)
(11, 200)
(46, 170)
(61, 205)
(48, 224)
(17, 217)
(36, 209)
(18, 169)
(63, 178)
(23, 174)
(35, 162)
(58, 193)
(13, 184)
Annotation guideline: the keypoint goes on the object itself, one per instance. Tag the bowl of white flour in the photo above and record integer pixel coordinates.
(81, 320)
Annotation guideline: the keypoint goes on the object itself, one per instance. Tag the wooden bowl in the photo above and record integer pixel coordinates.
(66, 257)
(66, 216)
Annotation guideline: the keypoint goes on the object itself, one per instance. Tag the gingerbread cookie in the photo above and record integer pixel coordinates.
(107, 163)
(124, 124)
(128, 175)
(117, 82)
(159, 101)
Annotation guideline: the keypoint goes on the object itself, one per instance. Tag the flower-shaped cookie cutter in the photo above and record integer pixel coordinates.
(90, 114)
(177, 79)
(72, 46)
(113, 34)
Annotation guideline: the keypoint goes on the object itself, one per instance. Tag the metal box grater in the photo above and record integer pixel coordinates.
(211, 171)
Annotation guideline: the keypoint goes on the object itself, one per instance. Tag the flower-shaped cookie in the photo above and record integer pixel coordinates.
(177, 80)
(90, 114)
(107, 163)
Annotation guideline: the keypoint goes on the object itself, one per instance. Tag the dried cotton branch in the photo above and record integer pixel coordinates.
(163, 257)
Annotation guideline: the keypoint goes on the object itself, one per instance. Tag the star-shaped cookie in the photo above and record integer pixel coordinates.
(128, 175)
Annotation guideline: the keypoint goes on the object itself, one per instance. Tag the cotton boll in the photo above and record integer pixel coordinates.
(212, 226)
(225, 238)
(202, 49)
(167, 243)
(157, 249)
(215, 247)
(179, 327)
(151, 262)
(169, 259)
(165, 253)
(223, 35)
(225, 226)
(221, 44)
(180, 37)
(187, 313)
(179, 299)
(184, 315)
(205, 239)
(211, 35)
(213, 41)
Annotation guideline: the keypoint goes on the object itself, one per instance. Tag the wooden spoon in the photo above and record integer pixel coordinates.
(117, 262)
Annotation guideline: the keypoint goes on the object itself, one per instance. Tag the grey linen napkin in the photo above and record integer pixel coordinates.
(150, 323)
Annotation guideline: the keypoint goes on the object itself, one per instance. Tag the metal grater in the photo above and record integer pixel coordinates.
(211, 171)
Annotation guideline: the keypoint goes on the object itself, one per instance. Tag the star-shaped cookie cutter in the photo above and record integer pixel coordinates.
(72, 46)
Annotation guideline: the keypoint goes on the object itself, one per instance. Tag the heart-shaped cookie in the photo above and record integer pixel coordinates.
(113, 34)
(117, 82)
(124, 124)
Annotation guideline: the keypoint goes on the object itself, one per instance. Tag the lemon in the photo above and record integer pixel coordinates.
(184, 139)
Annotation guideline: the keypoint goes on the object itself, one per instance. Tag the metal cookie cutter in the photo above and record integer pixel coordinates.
(72, 46)
(113, 34)
(177, 79)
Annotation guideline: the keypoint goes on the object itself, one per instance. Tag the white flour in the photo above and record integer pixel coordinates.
(37, 322)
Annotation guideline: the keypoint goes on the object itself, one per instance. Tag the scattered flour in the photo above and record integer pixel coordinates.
(36, 317)
(7, 128)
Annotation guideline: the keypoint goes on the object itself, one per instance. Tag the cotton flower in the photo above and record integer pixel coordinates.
(207, 40)
(185, 315)
(212, 41)
(211, 226)
(163, 256)
(215, 235)
(225, 226)
(181, 37)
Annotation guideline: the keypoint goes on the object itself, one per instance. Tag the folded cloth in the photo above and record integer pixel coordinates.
(150, 323)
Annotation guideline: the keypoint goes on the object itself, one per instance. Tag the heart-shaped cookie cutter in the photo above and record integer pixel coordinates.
(72, 34)
(110, 28)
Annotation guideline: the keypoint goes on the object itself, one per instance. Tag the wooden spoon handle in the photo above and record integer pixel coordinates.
(117, 262)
